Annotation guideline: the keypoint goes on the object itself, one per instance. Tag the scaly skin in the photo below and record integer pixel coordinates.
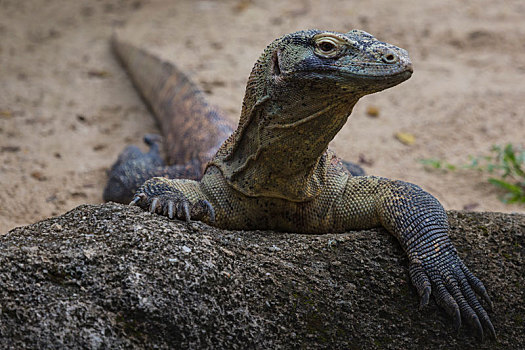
(275, 171)
(192, 129)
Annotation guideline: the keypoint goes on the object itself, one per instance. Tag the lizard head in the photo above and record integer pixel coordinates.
(354, 62)
(308, 71)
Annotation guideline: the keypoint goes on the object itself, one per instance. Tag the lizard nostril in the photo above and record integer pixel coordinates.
(389, 58)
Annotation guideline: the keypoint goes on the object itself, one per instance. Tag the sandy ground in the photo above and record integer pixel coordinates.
(67, 109)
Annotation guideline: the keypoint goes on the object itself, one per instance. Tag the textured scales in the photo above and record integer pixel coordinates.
(192, 129)
(275, 171)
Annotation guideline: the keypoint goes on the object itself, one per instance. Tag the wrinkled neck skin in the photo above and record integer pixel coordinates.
(304, 118)
(295, 128)
(286, 126)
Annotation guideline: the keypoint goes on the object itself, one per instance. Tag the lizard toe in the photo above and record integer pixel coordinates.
(183, 210)
(170, 209)
(203, 208)
(420, 281)
(154, 205)
(137, 199)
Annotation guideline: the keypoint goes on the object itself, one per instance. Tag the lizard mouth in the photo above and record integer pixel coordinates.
(403, 75)
(380, 82)
(377, 75)
(377, 70)
(366, 71)
(361, 78)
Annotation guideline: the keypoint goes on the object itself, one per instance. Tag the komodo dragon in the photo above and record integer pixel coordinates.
(275, 171)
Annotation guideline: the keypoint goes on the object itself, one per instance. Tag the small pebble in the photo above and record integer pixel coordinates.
(56, 227)
(38, 175)
(372, 111)
(405, 138)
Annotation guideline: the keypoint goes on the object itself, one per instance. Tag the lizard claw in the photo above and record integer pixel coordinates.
(420, 281)
(454, 289)
(203, 207)
(185, 210)
(170, 209)
(154, 204)
(478, 286)
(425, 298)
(156, 197)
(136, 199)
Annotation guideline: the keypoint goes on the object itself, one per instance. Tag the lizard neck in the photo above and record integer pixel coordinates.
(279, 147)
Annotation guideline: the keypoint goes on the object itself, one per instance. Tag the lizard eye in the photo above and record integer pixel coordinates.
(327, 46)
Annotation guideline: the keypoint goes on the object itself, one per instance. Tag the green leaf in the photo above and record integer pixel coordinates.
(431, 162)
(507, 186)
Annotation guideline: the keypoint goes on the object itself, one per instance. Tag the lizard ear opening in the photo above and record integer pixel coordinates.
(275, 63)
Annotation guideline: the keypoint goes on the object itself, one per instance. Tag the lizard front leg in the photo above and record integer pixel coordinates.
(419, 222)
(180, 198)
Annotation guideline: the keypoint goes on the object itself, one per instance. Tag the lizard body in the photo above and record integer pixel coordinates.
(275, 171)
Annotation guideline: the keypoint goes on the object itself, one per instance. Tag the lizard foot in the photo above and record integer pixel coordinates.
(455, 289)
(157, 196)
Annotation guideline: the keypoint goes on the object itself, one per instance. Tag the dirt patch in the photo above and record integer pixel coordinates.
(67, 109)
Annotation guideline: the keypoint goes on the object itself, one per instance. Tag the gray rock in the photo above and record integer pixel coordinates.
(111, 276)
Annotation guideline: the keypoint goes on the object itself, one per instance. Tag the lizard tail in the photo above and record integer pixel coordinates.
(192, 129)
